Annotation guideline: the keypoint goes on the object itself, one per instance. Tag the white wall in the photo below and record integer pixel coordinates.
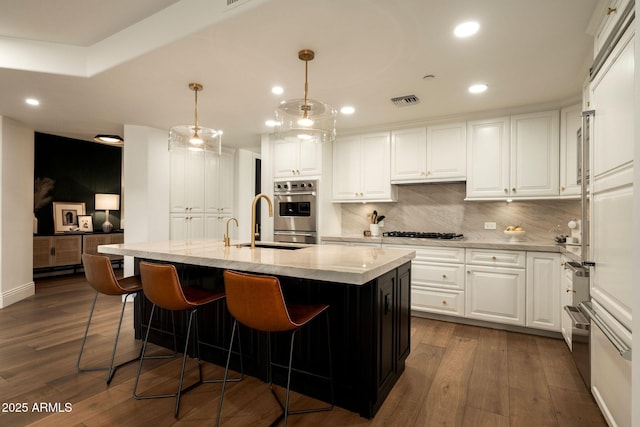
(16, 211)
(245, 179)
(146, 184)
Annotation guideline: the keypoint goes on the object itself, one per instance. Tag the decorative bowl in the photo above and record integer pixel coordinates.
(515, 236)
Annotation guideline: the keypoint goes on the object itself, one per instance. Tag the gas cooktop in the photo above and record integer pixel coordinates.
(423, 235)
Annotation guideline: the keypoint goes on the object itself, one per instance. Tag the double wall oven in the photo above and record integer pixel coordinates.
(295, 218)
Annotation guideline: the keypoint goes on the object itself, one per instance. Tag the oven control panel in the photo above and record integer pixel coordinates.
(295, 186)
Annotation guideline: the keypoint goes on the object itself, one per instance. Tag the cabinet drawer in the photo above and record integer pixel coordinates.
(434, 254)
(516, 259)
(437, 301)
(447, 276)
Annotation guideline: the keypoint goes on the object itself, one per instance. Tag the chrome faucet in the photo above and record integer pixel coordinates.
(227, 240)
(254, 228)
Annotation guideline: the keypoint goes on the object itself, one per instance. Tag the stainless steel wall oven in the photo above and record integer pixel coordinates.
(295, 218)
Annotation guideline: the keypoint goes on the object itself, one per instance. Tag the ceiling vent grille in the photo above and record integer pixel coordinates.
(230, 2)
(403, 101)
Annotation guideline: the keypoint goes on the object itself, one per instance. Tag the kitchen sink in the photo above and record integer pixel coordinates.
(272, 246)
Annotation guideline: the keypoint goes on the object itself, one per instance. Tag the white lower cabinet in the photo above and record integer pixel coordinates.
(495, 286)
(543, 291)
(186, 226)
(437, 280)
(496, 294)
(610, 373)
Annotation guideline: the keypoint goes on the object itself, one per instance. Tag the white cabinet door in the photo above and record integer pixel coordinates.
(226, 182)
(409, 155)
(613, 100)
(186, 227)
(310, 158)
(346, 168)
(570, 123)
(543, 291)
(187, 181)
(447, 152)
(488, 158)
(495, 294)
(375, 167)
(285, 158)
(361, 168)
(293, 158)
(535, 152)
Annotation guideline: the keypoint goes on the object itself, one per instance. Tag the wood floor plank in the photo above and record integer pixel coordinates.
(489, 381)
(446, 401)
(455, 375)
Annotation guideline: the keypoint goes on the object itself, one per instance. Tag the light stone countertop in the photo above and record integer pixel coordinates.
(331, 263)
(573, 252)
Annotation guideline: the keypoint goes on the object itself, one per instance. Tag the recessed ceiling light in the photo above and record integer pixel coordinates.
(347, 109)
(32, 101)
(277, 90)
(466, 29)
(478, 88)
(271, 123)
(108, 139)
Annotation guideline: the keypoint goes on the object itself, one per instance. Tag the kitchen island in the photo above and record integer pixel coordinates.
(367, 289)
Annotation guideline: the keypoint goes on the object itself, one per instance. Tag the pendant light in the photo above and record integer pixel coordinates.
(195, 137)
(306, 119)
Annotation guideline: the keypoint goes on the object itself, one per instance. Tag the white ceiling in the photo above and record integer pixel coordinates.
(96, 65)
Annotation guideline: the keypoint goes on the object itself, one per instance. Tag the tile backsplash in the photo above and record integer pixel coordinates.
(441, 208)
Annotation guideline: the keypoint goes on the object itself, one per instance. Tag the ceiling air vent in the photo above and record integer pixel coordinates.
(230, 2)
(403, 101)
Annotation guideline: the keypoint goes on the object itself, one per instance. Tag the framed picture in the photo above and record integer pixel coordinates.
(85, 223)
(65, 216)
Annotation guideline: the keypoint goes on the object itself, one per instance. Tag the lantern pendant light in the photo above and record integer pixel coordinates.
(306, 118)
(195, 137)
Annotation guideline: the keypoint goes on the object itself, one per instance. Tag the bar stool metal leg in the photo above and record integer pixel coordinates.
(111, 369)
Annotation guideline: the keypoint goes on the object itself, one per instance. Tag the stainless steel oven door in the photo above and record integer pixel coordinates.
(295, 237)
(295, 212)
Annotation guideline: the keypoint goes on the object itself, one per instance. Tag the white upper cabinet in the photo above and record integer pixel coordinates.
(361, 169)
(535, 153)
(612, 13)
(409, 155)
(219, 182)
(570, 123)
(437, 153)
(187, 177)
(514, 157)
(488, 158)
(296, 158)
(447, 152)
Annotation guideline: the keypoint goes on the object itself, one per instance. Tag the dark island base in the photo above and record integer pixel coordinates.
(369, 330)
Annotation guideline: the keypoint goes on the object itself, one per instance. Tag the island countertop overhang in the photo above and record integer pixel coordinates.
(331, 263)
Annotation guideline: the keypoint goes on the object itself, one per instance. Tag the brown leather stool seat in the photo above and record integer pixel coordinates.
(100, 275)
(258, 303)
(161, 285)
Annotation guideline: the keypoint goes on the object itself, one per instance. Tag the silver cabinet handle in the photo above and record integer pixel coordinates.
(613, 338)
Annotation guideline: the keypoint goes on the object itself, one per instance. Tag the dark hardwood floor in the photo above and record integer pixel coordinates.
(456, 375)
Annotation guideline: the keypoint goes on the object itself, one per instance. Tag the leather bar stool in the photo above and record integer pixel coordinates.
(100, 275)
(161, 285)
(258, 303)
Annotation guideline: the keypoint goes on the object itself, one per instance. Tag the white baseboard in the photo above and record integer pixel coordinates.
(17, 294)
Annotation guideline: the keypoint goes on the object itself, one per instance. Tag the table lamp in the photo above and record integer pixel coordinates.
(107, 202)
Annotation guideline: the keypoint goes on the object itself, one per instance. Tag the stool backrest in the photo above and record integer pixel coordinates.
(257, 302)
(100, 275)
(161, 285)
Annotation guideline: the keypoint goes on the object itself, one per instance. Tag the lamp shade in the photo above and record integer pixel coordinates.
(108, 202)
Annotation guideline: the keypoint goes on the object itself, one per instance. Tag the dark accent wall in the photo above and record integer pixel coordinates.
(79, 169)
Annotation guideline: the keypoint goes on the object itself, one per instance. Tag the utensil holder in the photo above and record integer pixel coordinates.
(375, 230)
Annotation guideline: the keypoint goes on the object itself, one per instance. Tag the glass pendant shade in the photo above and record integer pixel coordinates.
(195, 137)
(182, 136)
(305, 118)
(316, 120)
